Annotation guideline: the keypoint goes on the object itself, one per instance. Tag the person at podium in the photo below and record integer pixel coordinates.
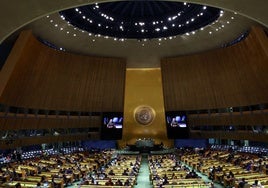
(111, 124)
(174, 123)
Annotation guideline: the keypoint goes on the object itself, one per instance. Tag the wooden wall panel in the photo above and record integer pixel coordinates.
(236, 135)
(12, 123)
(226, 77)
(47, 139)
(48, 79)
(10, 64)
(245, 119)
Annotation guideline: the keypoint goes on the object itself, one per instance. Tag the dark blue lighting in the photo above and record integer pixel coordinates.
(140, 19)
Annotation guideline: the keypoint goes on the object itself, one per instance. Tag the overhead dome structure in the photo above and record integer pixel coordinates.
(142, 31)
(141, 19)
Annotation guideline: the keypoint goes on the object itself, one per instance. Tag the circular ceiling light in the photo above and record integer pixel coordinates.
(141, 19)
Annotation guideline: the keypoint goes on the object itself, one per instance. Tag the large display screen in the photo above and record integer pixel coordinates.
(176, 123)
(112, 125)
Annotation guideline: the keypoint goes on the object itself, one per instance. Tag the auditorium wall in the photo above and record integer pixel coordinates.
(39, 77)
(221, 79)
(225, 77)
(36, 76)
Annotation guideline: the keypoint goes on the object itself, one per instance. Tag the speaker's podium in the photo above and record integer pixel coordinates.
(145, 145)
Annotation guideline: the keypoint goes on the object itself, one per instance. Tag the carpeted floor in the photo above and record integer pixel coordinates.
(205, 178)
(143, 180)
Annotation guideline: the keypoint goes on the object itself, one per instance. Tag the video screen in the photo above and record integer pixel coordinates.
(176, 123)
(113, 122)
(112, 126)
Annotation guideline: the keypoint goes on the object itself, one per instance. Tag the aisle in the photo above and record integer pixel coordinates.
(204, 177)
(143, 180)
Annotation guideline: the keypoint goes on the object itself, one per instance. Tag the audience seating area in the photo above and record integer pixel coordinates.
(100, 169)
(166, 171)
(113, 169)
(229, 168)
(122, 170)
(53, 171)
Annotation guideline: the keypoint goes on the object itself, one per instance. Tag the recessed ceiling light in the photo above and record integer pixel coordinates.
(139, 31)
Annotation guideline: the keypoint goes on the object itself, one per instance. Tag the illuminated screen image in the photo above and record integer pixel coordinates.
(176, 123)
(112, 126)
(114, 122)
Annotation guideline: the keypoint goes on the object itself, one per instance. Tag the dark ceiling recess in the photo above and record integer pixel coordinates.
(140, 19)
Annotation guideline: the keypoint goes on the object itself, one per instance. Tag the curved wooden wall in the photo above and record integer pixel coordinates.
(235, 135)
(41, 78)
(229, 119)
(228, 77)
(44, 78)
(19, 123)
(233, 76)
(4, 144)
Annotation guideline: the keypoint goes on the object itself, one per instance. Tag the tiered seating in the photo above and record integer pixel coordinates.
(228, 168)
(167, 171)
(122, 168)
(55, 171)
(244, 149)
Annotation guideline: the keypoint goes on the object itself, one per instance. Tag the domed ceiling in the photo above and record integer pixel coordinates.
(143, 32)
(141, 19)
